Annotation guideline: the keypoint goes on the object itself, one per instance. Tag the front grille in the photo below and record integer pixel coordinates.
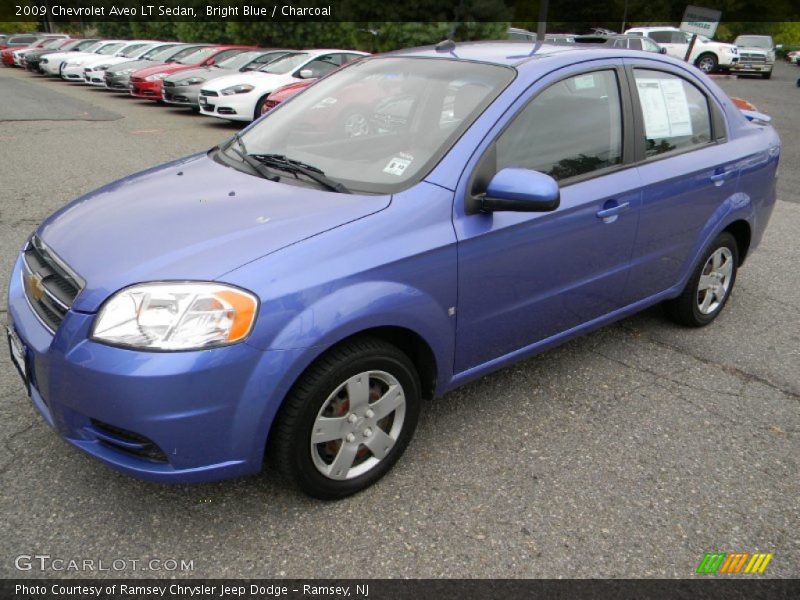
(127, 441)
(50, 286)
(752, 58)
(208, 93)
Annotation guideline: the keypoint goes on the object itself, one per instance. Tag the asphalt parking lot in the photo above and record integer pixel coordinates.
(630, 452)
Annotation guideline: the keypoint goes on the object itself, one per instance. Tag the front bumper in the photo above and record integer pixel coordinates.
(50, 67)
(96, 78)
(73, 73)
(173, 417)
(745, 66)
(237, 107)
(182, 95)
(118, 83)
(149, 90)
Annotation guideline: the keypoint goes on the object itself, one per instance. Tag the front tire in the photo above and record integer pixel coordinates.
(766, 75)
(710, 285)
(348, 419)
(707, 63)
(261, 107)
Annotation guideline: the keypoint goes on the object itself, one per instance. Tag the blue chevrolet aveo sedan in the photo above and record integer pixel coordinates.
(407, 224)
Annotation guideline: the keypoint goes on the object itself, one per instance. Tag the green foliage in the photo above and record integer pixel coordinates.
(113, 29)
(202, 31)
(18, 26)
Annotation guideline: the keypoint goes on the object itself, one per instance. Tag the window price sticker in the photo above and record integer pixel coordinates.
(665, 108)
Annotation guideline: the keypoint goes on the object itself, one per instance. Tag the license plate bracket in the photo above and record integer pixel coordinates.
(19, 356)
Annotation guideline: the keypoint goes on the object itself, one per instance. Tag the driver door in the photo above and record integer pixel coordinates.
(525, 277)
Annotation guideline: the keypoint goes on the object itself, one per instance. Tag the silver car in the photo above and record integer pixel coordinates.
(118, 76)
(183, 88)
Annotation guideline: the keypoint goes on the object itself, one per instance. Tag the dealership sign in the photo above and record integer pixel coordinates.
(700, 21)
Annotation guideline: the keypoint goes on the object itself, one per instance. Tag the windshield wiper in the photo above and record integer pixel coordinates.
(253, 163)
(279, 161)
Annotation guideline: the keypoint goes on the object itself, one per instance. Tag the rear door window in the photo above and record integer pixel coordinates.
(675, 113)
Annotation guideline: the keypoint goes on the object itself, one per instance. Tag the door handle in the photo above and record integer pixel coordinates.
(612, 211)
(719, 178)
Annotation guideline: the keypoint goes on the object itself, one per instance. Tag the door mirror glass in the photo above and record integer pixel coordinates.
(521, 190)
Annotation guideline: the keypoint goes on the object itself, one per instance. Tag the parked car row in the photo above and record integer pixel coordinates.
(231, 82)
(749, 54)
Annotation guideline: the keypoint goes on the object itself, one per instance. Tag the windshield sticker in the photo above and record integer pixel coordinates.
(398, 164)
(664, 107)
(584, 82)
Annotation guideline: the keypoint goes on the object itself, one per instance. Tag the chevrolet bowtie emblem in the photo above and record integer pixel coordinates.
(33, 281)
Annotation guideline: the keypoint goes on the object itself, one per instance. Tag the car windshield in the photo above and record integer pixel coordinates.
(111, 48)
(156, 51)
(93, 47)
(72, 44)
(198, 56)
(754, 41)
(237, 61)
(53, 44)
(132, 50)
(380, 123)
(165, 54)
(285, 64)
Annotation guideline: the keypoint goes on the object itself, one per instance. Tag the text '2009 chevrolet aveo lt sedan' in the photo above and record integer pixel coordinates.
(296, 292)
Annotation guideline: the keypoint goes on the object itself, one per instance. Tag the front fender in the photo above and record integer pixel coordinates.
(367, 305)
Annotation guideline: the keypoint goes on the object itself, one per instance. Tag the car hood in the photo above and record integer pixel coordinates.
(207, 72)
(163, 68)
(192, 219)
(254, 78)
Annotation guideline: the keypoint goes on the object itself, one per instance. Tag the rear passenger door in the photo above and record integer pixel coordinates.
(525, 277)
(686, 168)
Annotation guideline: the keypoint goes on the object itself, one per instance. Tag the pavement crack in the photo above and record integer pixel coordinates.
(7, 444)
(738, 372)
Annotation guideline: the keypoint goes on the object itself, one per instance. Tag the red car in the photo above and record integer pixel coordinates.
(284, 93)
(7, 54)
(147, 83)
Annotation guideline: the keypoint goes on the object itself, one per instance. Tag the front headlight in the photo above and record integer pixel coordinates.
(100, 67)
(237, 89)
(125, 71)
(191, 81)
(176, 316)
(156, 77)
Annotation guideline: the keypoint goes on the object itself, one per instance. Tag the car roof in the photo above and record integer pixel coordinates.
(513, 53)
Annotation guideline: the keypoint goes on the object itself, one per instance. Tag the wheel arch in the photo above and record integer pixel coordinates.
(742, 232)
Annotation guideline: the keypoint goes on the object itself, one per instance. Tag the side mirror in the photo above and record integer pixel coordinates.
(779, 47)
(520, 190)
(662, 50)
(306, 74)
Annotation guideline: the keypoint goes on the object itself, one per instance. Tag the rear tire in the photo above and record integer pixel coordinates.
(710, 285)
(341, 393)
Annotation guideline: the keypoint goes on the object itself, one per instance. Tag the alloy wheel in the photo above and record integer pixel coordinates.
(715, 280)
(358, 425)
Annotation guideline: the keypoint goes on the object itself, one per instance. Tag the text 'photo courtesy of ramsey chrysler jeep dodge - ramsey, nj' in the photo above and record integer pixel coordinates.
(291, 296)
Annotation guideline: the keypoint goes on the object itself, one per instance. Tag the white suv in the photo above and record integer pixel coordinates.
(707, 55)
